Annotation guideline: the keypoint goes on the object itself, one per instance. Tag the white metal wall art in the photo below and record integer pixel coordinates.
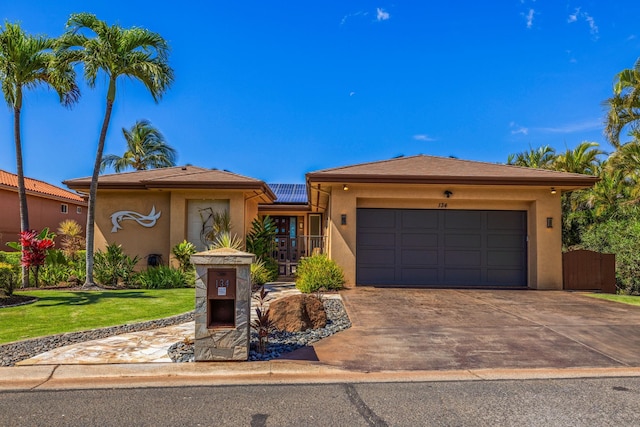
(143, 220)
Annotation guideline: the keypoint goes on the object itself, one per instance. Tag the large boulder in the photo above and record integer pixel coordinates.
(297, 313)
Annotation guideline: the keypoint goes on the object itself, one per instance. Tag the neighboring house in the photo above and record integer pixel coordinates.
(48, 206)
(413, 221)
(149, 212)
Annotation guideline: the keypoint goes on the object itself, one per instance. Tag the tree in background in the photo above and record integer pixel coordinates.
(134, 53)
(542, 158)
(624, 105)
(27, 62)
(146, 149)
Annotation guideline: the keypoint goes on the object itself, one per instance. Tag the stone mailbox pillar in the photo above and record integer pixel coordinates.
(223, 304)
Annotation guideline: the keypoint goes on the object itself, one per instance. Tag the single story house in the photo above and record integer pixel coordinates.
(47, 204)
(410, 221)
(149, 212)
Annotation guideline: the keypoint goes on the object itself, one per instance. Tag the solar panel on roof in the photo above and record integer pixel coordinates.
(289, 193)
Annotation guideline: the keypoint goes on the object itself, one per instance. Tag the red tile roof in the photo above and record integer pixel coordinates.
(34, 186)
(423, 169)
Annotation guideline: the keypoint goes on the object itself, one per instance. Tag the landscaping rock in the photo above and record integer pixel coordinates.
(297, 313)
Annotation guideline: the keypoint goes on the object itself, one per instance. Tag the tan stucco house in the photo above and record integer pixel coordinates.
(149, 212)
(410, 221)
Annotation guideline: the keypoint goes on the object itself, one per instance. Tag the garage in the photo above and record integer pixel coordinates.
(441, 248)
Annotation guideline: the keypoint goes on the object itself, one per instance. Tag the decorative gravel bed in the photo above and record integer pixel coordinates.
(12, 353)
(281, 342)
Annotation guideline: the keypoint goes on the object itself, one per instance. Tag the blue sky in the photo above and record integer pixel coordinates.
(273, 90)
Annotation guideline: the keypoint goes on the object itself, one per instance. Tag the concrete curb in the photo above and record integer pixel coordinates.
(70, 377)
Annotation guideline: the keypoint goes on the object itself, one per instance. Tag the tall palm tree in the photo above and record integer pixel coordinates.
(134, 53)
(146, 148)
(27, 62)
(583, 159)
(542, 158)
(624, 105)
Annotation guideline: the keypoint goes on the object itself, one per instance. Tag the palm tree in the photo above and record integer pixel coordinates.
(27, 62)
(135, 53)
(542, 158)
(146, 148)
(582, 159)
(624, 105)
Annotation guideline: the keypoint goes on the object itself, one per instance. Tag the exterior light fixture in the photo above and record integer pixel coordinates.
(549, 222)
(448, 194)
(345, 187)
(553, 190)
(343, 219)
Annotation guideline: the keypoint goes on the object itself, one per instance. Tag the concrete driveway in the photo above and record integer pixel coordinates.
(420, 329)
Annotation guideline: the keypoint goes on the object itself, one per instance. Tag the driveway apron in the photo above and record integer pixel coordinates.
(427, 329)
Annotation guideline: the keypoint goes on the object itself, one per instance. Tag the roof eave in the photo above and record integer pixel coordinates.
(577, 181)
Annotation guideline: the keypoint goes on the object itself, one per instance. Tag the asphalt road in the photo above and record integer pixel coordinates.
(585, 402)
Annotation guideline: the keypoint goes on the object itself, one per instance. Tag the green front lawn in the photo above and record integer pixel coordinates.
(626, 299)
(70, 311)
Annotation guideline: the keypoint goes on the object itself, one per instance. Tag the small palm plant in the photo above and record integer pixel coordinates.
(182, 252)
(262, 324)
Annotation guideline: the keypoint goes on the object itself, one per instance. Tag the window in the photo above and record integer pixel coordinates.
(64, 208)
(79, 209)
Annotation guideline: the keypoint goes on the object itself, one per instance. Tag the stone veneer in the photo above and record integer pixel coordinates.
(225, 342)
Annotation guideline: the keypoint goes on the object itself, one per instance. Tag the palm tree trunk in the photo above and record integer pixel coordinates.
(22, 191)
(93, 189)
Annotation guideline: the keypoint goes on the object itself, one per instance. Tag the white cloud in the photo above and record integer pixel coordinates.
(529, 18)
(423, 137)
(381, 14)
(351, 15)
(586, 125)
(580, 15)
(517, 129)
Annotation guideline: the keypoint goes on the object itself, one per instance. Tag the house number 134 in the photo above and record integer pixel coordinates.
(442, 205)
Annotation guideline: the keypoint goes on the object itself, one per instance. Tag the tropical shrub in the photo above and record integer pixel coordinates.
(317, 273)
(261, 242)
(259, 273)
(622, 238)
(12, 258)
(114, 266)
(163, 277)
(72, 239)
(182, 252)
(226, 240)
(263, 325)
(34, 247)
(9, 277)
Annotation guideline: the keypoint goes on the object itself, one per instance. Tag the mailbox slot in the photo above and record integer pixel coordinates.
(221, 297)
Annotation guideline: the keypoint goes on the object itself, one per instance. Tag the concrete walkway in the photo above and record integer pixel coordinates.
(402, 335)
(137, 347)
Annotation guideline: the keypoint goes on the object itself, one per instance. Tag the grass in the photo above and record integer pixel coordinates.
(70, 311)
(625, 299)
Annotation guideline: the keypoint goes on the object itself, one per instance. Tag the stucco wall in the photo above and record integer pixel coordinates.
(171, 227)
(43, 212)
(544, 244)
(135, 239)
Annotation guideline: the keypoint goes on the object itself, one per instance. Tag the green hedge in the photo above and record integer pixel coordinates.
(318, 273)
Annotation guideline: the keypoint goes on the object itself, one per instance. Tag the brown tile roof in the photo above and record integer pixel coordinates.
(422, 169)
(33, 186)
(174, 177)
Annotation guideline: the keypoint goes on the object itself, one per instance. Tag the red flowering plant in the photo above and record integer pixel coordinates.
(34, 248)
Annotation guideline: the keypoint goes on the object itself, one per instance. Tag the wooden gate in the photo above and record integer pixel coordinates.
(589, 271)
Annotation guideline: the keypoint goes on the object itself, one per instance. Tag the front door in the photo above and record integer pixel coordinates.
(287, 252)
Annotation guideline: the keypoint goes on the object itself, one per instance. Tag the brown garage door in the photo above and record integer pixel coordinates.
(420, 247)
